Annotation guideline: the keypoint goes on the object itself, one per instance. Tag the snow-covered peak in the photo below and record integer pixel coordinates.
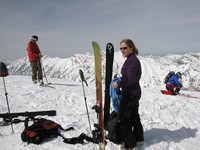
(154, 68)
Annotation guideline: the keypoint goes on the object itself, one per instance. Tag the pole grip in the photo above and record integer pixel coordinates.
(82, 77)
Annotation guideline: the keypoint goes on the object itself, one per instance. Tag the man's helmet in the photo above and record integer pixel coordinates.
(179, 74)
(34, 37)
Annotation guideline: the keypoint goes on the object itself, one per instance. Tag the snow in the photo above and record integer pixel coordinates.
(154, 68)
(170, 122)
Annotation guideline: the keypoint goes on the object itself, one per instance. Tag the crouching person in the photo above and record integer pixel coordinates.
(173, 85)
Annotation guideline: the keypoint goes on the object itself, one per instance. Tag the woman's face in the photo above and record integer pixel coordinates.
(125, 49)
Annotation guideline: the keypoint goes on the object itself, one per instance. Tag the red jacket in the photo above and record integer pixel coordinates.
(33, 51)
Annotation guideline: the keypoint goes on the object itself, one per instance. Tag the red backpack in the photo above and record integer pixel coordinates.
(39, 130)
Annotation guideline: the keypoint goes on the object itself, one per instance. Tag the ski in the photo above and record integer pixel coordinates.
(8, 116)
(98, 107)
(188, 96)
(9, 122)
(47, 85)
(180, 94)
(108, 78)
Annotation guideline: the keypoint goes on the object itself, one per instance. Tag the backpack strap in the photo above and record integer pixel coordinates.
(27, 120)
(29, 135)
(80, 139)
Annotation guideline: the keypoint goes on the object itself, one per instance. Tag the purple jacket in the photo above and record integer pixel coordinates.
(131, 73)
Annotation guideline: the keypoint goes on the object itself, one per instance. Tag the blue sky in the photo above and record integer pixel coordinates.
(67, 27)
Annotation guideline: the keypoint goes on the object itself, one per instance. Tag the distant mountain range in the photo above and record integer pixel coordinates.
(154, 68)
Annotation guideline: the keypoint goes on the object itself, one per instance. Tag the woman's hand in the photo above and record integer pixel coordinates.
(114, 85)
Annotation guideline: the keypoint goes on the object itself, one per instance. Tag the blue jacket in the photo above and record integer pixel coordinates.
(173, 81)
(115, 94)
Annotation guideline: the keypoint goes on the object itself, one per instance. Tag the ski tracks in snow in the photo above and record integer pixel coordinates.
(173, 118)
(149, 76)
(170, 122)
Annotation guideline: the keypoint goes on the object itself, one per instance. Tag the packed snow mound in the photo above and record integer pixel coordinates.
(154, 68)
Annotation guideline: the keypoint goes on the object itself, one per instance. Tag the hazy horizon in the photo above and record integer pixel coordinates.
(65, 28)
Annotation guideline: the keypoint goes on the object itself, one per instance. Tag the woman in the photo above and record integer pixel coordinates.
(129, 118)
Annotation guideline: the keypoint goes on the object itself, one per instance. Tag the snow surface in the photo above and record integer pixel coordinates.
(170, 122)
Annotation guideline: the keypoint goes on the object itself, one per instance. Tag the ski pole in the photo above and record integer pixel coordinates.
(6, 94)
(44, 71)
(83, 80)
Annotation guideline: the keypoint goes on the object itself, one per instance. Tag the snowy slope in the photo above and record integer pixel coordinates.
(154, 68)
(170, 122)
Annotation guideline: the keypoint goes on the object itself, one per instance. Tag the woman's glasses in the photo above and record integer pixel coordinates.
(123, 48)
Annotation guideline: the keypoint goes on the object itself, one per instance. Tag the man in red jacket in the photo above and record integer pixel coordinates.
(34, 56)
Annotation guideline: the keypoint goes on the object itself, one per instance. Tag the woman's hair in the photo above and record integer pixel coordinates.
(131, 45)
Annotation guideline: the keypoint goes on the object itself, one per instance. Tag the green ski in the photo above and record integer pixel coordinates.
(99, 106)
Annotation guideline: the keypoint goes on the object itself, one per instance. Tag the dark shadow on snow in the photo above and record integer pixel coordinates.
(156, 135)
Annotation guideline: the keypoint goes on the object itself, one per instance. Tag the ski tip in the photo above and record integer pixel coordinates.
(96, 46)
(4, 123)
(109, 44)
(162, 91)
(110, 48)
(94, 42)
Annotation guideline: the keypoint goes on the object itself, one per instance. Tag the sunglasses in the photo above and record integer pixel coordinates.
(123, 48)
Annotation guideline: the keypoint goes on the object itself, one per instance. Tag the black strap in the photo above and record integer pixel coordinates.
(68, 129)
(80, 139)
(26, 123)
(27, 120)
